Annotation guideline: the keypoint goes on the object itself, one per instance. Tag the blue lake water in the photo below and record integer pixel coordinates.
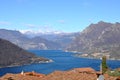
(62, 61)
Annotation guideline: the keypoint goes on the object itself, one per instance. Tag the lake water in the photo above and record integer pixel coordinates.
(62, 61)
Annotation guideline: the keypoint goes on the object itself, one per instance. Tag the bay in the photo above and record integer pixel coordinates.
(62, 61)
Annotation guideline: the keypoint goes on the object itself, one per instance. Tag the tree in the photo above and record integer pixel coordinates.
(104, 64)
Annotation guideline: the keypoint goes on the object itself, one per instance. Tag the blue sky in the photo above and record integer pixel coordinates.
(56, 15)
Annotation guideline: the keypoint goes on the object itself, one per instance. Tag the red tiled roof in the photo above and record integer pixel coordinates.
(87, 69)
(34, 74)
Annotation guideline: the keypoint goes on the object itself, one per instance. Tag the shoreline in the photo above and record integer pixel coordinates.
(96, 58)
(12, 65)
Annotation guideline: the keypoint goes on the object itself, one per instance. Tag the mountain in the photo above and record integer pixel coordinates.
(15, 37)
(12, 55)
(98, 38)
(61, 38)
(45, 44)
(24, 42)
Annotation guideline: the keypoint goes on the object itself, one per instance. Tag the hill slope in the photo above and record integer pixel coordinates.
(98, 38)
(11, 55)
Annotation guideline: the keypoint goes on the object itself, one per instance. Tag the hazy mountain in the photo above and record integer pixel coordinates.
(15, 37)
(63, 38)
(12, 35)
(98, 37)
(45, 44)
(57, 37)
(27, 43)
(11, 55)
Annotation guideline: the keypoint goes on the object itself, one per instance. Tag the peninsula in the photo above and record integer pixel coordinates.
(12, 55)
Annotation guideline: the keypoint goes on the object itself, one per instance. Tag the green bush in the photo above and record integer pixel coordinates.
(113, 73)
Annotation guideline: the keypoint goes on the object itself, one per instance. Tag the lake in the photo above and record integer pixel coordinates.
(62, 61)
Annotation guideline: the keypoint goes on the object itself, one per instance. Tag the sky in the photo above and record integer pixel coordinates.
(56, 15)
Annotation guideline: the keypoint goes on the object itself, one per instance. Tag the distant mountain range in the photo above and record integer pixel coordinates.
(12, 55)
(43, 41)
(58, 37)
(102, 37)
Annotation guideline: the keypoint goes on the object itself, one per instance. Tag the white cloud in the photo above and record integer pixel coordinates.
(31, 25)
(24, 31)
(38, 28)
(36, 33)
(44, 29)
